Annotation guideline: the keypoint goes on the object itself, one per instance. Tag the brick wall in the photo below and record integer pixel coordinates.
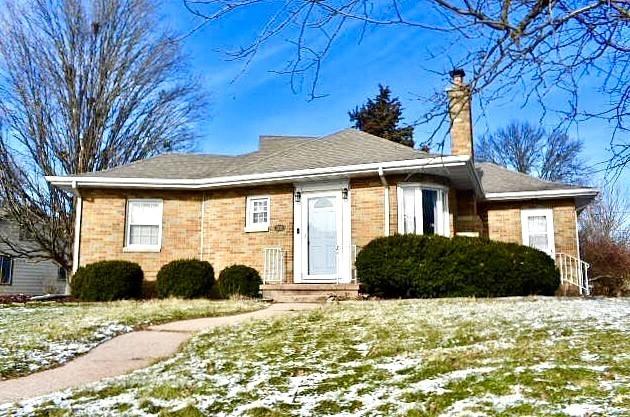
(225, 240)
(466, 212)
(103, 228)
(368, 213)
(504, 222)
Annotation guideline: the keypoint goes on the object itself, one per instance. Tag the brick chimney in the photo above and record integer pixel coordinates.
(459, 109)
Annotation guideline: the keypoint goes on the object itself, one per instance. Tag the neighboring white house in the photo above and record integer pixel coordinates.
(24, 276)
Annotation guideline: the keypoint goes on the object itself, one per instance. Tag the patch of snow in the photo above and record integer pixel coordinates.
(581, 410)
(436, 385)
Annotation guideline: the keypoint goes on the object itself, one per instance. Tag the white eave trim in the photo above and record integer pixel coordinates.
(69, 182)
(543, 194)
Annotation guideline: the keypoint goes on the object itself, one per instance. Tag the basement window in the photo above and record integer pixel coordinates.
(257, 214)
(423, 209)
(144, 225)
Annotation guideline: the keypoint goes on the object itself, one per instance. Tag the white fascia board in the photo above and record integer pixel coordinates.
(69, 182)
(543, 194)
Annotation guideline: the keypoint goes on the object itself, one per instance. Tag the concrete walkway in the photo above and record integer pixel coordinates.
(128, 352)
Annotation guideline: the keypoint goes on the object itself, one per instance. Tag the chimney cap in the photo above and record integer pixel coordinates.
(457, 72)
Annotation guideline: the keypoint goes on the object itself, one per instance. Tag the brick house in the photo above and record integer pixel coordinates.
(299, 208)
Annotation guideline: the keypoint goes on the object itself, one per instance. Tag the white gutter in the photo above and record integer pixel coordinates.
(205, 183)
(519, 195)
(381, 174)
(78, 212)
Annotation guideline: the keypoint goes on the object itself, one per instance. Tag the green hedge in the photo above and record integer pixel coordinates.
(107, 281)
(185, 278)
(239, 280)
(416, 266)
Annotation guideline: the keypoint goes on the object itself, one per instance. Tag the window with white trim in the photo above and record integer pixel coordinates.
(537, 229)
(257, 214)
(6, 270)
(144, 224)
(423, 209)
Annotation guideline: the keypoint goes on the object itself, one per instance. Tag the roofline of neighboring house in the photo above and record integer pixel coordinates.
(72, 183)
(582, 196)
(564, 192)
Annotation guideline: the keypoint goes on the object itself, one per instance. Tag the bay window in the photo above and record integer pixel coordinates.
(144, 225)
(423, 209)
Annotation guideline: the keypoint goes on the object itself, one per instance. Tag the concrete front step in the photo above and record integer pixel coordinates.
(308, 293)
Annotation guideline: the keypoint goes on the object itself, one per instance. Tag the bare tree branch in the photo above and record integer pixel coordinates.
(84, 86)
(525, 49)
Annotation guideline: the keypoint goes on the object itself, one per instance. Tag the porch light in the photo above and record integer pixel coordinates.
(298, 196)
(344, 193)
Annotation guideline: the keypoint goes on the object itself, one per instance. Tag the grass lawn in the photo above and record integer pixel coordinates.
(41, 335)
(458, 357)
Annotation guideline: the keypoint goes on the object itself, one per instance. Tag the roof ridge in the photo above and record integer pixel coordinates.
(384, 140)
(328, 138)
(279, 137)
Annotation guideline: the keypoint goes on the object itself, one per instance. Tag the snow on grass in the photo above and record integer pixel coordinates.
(457, 357)
(36, 336)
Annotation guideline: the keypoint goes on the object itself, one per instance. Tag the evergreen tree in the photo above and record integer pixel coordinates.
(380, 116)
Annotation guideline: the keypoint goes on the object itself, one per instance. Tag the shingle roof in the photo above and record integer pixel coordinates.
(289, 153)
(269, 143)
(347, 147)
(497, 179)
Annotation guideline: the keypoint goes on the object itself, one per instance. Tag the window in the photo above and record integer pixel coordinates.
(144, 225)
(6, 270)
(257, 214)
(423, 210)
(537, 228)
(62, 274)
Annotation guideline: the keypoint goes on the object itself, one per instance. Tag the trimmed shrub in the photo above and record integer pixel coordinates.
(417, 266)
(239, 280)
(185, 278)
(107, 281)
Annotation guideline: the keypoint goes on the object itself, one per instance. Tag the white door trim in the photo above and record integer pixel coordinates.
(548, 213)
(306, 276)
(344, 256)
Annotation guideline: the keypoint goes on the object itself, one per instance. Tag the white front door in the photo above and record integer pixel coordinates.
(538, 232)
(321, 236)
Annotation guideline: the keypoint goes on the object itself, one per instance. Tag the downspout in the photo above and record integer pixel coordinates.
(77, 233)
(381, 174)
(201, 234)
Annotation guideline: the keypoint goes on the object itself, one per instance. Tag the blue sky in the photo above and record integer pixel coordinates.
(247, 102)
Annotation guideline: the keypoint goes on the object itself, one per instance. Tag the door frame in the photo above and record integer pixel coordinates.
(548, 213)
(300, 233)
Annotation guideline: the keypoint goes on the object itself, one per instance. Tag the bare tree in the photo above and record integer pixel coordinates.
(84, 86)
(522, 49)
(608, 217)
(605, 241)
(531, 150)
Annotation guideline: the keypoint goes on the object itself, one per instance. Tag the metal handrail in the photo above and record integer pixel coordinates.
(573, 271)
